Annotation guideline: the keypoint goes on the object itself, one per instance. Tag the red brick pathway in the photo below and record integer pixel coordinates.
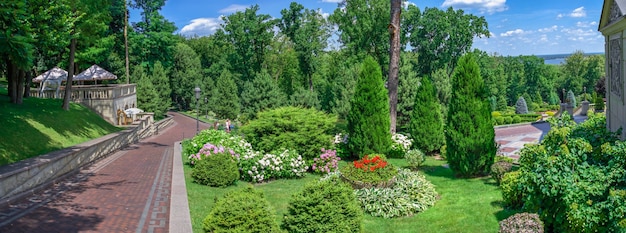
(128, 191)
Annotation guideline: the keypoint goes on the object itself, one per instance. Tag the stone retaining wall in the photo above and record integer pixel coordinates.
(25, 177)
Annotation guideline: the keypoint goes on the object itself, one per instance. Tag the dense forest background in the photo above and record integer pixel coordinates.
(255, 62)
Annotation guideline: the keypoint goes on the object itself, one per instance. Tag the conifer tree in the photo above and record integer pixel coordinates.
(426, 125)
(521, 107)
(226, 105)
(147, 95)
(368, 119)
(162, 86)
(470, 143)
(260, 94)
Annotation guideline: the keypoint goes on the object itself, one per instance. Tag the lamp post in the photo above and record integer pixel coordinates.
(197, 91)
(206, 101)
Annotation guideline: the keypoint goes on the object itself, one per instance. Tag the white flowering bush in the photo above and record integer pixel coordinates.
(400, 144)
(258, 167)
(327, 162)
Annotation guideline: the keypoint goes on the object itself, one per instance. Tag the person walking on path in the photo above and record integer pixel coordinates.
(228, 125)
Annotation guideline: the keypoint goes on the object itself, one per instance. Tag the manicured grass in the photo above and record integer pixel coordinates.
(39, 126)
(466, 205)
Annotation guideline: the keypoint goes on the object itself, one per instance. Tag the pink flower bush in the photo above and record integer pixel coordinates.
(327, 162)
(208, 150)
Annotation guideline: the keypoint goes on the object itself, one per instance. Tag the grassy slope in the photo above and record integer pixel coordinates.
(466, 205)
(39, 126)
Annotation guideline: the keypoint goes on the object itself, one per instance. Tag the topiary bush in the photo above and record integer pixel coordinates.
(498, 169)
(517, 119)
(368, 119)
(244, 210)
(217, 170)
(576, 178)
(522, 223)
(411, 194)
(324, 206)
(520, 106)
(571, 98)
(470, 136)
(303, 130)
(511, 191)
(426, 125)
(415, 158)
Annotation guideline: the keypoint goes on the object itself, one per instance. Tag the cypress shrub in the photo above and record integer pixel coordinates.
(244, 210)
(426, 125)
(470, 137)
(521, 107)
(571, 98)
(368, 119)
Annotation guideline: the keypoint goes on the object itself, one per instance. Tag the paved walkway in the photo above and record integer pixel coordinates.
(513, 138)
(128, 191)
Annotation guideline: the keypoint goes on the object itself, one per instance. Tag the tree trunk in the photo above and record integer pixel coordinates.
(19, 99)
(126, 42)
(70, 77)
(394, 60)
(12, 79)
(29, 81)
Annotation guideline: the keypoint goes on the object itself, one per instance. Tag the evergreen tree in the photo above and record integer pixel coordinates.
(162, 87)
(368, 119)
(147, 95)
(470, 137)
(407, 90)
(226, 105)
(426, 127)
(261, 94)
(521, 107)
(305, 98)
(571, 98)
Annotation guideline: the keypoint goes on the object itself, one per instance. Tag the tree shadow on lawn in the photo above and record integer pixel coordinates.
(505, 212)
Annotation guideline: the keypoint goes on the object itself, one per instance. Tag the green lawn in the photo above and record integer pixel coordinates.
(39, 126)
(466, 205)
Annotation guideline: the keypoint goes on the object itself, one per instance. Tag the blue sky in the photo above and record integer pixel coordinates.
(521, 27)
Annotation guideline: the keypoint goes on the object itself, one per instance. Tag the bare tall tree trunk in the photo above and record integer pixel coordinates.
(70, 76)
(126, 42)
(394, 60)
(29, 81)
(20, 87)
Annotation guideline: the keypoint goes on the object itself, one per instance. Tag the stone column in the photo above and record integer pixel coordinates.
(584, 108)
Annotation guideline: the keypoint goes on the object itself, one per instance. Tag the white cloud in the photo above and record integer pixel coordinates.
(332, 1)
(549, 29)
(489, 6)
(513, 32)
(578, 12)
(586, 24)
(233, 8)
(543, 38)
(322, 13)
(559, 16)
(201, 27)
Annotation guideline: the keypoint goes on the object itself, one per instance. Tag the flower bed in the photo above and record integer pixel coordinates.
(367, 173)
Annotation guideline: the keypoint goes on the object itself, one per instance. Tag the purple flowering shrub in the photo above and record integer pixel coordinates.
(327, 162)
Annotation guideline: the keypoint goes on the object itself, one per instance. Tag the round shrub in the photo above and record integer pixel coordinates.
(511, 192)
(304, 130)
(499, 120)
(508, 120)
(244, 210)
(415, 158)
(217, 170)
(522, 223)
(517, 119)
(369, 172)
(324, 206)
(327, 162)
(411, 194)
(498, 169)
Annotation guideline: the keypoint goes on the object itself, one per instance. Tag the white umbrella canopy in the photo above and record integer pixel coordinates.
(55, 73)
(94, 72)
(132, 111)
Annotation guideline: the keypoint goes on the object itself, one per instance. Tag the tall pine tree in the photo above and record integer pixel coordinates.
(426, 125)
(261, 94)
(162, 86)
(471, 147)
(226, 105)
(147, 95)
(368, 119)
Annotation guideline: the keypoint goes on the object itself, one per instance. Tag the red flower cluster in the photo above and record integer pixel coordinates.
(369, 165)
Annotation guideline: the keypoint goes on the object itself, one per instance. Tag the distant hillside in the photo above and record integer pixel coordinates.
(39, 126)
